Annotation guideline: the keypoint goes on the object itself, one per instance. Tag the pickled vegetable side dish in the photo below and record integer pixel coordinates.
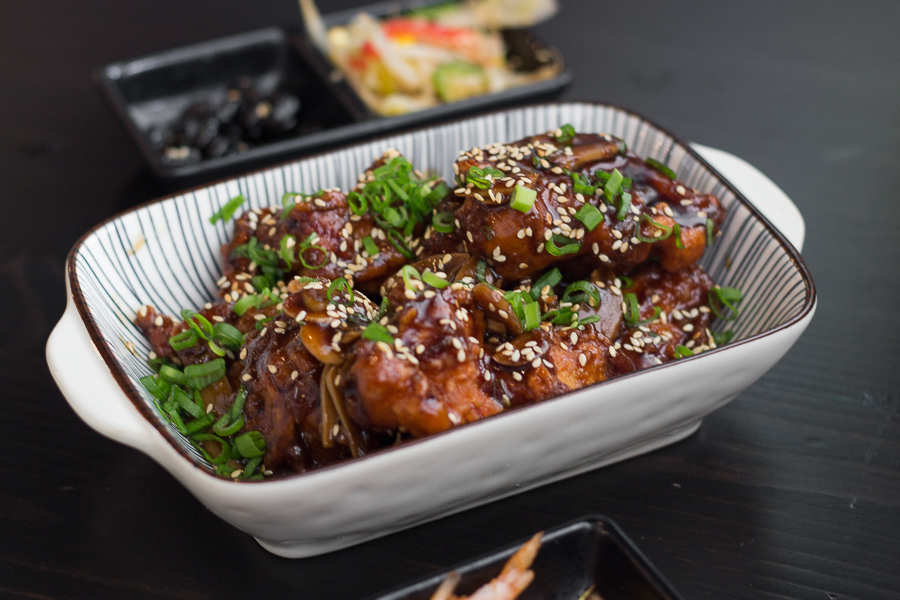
(350, 321)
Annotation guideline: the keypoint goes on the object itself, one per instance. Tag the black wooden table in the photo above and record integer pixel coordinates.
(790, 491)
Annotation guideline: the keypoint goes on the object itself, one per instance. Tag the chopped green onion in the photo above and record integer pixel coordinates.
(261, 282)
(228, 209)
(710, 232)
(370, 246)
(200, 424)
(589, 320)
(244, 304)
(723, 338)
(556, 250)
(216, 349)
(228, 425)
(479, 177)
(683, 351)
(549, 279)
(522, 198)
(383, 308)
(667, 231)
(172, 375)
(395, 238)
(151, 384)
(590, 215)
(287, 245)
(308, 244)
(581, 184)
(340, 282)
(532, 315)
(588, 293)
(250, 444)
(261, 323)
(661, 168)
(357, 203)
(624, 205)
(676, 231)
(434, 281)
(198, 323)
(289, 201)
(566, 134)
(443, 222)
(202, 375)
(633, 312)
(184, 340)
(536, 160)
(519, 300)
(228, 336)
(251, 466)
(627, 282)
(378, 333)
(438, 193)
(612, 186)
(186, 402)
(727, 296)
(480, 270)
(224, 454)
(408, 272)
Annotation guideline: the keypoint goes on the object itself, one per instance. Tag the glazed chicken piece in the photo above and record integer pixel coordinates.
(683, 318)
(557, 227)
(431, 378)
(549, 361)
(327, 240)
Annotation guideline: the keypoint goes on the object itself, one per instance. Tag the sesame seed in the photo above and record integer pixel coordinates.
(294, 375)
(273, 369)
(582, 359)
(246, 377)
(461, 356)
(680, 190)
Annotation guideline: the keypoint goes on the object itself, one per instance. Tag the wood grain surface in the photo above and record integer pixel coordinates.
(790, 491)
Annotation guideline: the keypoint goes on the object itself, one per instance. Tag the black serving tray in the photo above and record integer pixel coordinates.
(589, 551)
(153, 91)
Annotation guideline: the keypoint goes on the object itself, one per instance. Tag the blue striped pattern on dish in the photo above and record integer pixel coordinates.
(168, 255)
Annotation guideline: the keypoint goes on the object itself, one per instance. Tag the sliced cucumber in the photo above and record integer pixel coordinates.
(458, 80)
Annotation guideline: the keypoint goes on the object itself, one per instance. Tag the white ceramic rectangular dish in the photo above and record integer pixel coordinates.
(166, 253)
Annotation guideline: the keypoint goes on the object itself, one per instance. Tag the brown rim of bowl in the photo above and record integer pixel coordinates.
(153, 417)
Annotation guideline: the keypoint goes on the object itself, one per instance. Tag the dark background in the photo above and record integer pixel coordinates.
(791, 491)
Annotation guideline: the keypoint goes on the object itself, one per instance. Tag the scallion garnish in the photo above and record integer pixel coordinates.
(613, 185)
(250, 444)
(172, 375)
(152, 385)
(661, 168)
(727, 297)
(216, 349)
(443, 222)
(357, 203)
(228, 425)
(566, 134)
(244, 304)
(666, 230)
(567, 248)
(184, 340)
(710, 232)
(397, 240)
(723, 338)
(627, 282)
(581, 184)
(683, 351)
(522, 198)
(186, 402)
(408, 272)
(370, 246)
(198, 324)
(261, 282)
(532, 313)
(228, 336)
(548, 280)
(224, 453)
(378, 333)
(521, 302)
(624, 205)
(590, 215)
(434, 281)
(289, 201)
(633, 312)
(340, 283)
(676, 231)
(287, 245)
(582, 291)
(204, 374)
(482, 177)
(228, 209)
(480, 270)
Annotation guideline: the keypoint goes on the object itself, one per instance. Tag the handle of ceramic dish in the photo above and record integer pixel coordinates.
(89, 386)
(760, 190)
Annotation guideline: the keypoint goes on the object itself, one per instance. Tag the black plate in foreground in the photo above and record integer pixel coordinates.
(573, 557)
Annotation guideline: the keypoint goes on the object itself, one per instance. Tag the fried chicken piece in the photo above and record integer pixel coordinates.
(549, 361)
(682, 298)
(432, 378)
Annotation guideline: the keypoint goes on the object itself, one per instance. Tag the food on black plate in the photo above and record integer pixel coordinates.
(350, 321)
(433, 55)
(512, 580)
(240, 119)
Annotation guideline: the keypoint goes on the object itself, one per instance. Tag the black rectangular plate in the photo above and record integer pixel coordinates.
(153, 91)
(589, 551)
